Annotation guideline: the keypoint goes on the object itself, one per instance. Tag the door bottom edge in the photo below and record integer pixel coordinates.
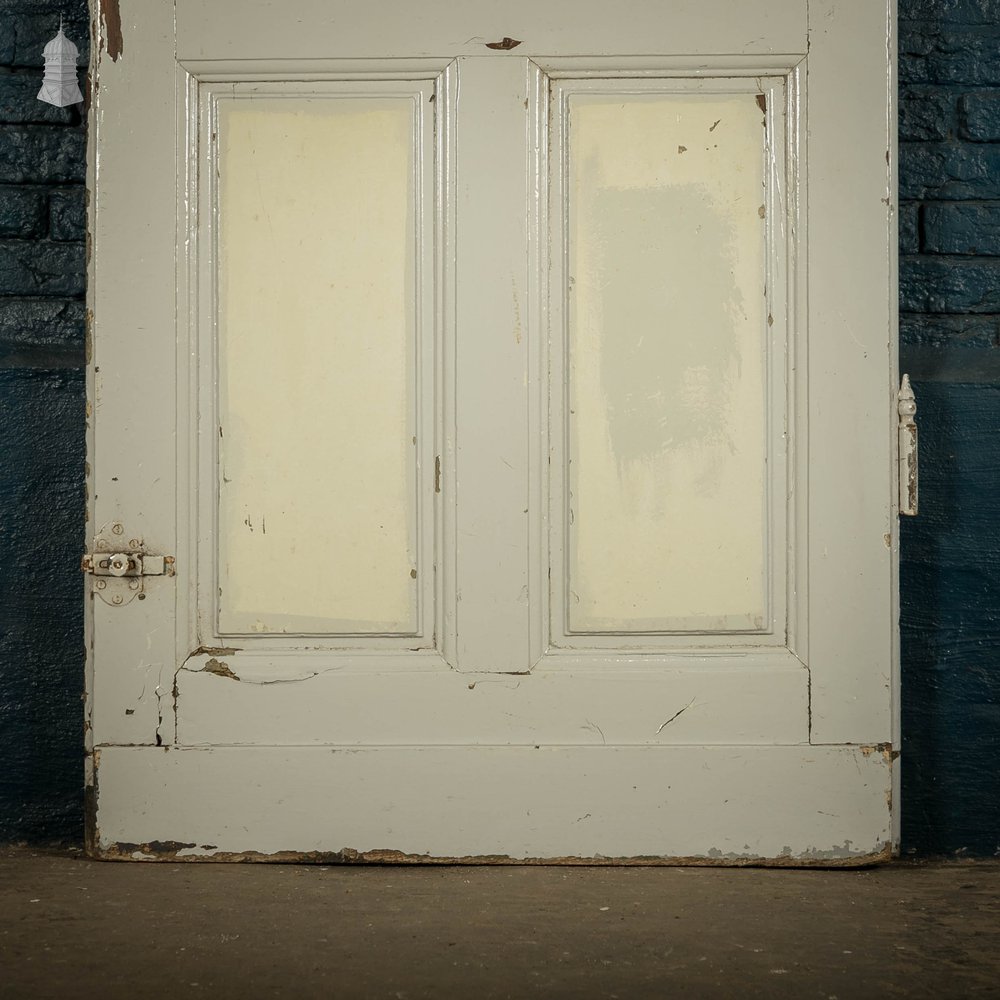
(174, 851)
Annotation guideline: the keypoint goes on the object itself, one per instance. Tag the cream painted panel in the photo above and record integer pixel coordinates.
(666, 360)
(316, 341)
(811, 805)
(318, 29)
(232, 699)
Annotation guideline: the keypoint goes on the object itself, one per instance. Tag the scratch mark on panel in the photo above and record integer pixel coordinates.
(595, 726)
(159, 709)
(674, 716)
(517, 311)
(220, 669)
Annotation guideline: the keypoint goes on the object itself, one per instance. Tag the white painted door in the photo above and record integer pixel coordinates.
(511, 389)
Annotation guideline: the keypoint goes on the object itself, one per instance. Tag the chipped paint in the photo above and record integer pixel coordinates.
(885, 749)
(173, 851)
(506, 43)
(220, 669)
(111, 29)
(215, 651)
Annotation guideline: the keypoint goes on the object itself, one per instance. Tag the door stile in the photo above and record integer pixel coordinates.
(852, 364)
(492, 377)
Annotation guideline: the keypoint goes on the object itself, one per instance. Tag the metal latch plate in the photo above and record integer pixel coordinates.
(119, 563)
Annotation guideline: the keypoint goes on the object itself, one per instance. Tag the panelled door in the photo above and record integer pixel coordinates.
(492, 431)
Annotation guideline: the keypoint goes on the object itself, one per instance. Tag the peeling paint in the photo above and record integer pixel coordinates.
(173, 851)
(885, 749)
(220, 669)
(111, 33)
(504, 44)
(88, 336)
(91, 833)
(215, 651)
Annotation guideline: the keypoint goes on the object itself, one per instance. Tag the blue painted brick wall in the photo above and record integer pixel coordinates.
(949, 121)
(42, 317)
(949, 330)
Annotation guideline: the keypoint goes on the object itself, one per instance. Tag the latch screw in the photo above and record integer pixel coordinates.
(118, 564)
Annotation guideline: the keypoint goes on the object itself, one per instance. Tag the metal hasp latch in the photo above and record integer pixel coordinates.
(119, 563)
(907, 406)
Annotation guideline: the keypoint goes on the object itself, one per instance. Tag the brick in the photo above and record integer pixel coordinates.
(19, 104)
(42, 535)
(42, 6)
(948, 171)
(979, 115)
(949, 285)
(68, 214)
(918, 38)
(918, 330)
(58, 323)
(22, 212)
(962, 228)
(927, 113)
(7, 44)
(42, 155)
(33, 31)
(909, 227)
(952, 11)
(932, 52)
(29, 267)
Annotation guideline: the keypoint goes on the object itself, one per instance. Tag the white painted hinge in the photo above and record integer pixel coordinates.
(119, 565)
(907, 407)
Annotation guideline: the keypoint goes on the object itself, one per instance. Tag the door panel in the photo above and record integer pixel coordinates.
(323, 30)
(688, 805)
(318, 496)
(666, 358)
(512, 349)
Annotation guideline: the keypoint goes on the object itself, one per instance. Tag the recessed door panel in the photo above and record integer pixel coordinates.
(318, 262)
(666, 361)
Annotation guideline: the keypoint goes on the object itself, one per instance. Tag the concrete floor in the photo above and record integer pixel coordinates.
(70, 927)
